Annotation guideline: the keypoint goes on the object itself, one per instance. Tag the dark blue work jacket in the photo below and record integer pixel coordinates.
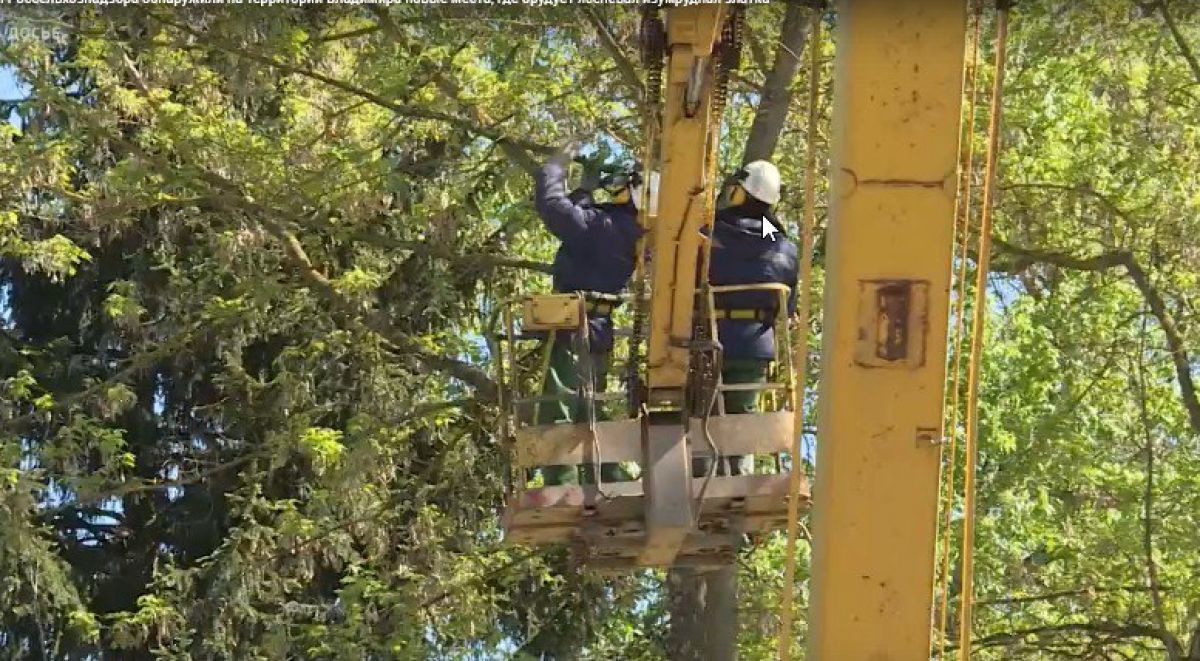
(598, 243)
(741, 255)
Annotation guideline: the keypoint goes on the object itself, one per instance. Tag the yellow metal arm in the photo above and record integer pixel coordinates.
(685, 203)
(685, 206)
(667, 518)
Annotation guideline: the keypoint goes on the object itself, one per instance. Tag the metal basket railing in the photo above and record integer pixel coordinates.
(782, 377)
(519, 404)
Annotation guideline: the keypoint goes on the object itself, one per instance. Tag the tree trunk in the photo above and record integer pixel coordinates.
(777, 89)
(1194, 645)
(721, 613)
(703, 615)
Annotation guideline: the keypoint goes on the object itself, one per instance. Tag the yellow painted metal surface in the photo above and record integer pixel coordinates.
(897, 90)
(552, 312)
(685, 196)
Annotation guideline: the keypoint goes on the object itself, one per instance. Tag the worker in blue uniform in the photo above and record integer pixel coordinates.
(742, 254)
(596, 256)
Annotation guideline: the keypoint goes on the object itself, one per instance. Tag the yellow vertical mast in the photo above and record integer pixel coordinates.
(684, 208)
(896, 100)
(685, 194)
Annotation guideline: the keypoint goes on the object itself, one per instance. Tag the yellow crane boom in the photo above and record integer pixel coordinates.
(685, 206)
(894, 146)
(668, 517)
(685, 203)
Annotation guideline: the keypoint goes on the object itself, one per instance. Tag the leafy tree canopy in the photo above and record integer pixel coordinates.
(249, 258)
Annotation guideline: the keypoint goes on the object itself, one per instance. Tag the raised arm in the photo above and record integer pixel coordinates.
(566, 219)
(580, 197)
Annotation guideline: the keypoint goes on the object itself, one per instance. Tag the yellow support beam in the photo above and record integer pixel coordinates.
(896, 104)
(685, 201)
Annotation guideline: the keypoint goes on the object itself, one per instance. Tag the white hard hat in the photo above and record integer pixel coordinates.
(761, 181)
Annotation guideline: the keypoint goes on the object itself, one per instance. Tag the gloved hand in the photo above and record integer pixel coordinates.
(592, 174)
(595, 165)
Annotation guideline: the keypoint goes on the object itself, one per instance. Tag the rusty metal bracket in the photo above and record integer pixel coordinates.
(893, 321)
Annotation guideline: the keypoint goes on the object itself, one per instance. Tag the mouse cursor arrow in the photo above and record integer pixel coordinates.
(768, 229)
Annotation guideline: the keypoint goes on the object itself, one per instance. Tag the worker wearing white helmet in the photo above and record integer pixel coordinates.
(743, 254)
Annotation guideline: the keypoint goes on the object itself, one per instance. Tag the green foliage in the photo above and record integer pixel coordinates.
(323, 446)
(240, 247)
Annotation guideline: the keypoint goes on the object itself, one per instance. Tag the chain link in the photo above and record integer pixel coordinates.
(653, 51)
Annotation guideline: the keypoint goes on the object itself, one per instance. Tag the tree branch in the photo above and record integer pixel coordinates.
(629, 73)
(1062, 594)
(757, 53)
(1173, 653)
(516, 561)
(230, 197)
(1078, 189)
(375, 320)
(274, 221)
(1027, 256)
(512, 148)
(1153, 298)
(466, 261)
(776, 96)
(495, 261)
(133, 365)
(1113, 629)
(349, 34)
(1184, 49)
(485, 129)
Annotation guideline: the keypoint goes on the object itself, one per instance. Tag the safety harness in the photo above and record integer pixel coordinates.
(601, 305)
(763, 315)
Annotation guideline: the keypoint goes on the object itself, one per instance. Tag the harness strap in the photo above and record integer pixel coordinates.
(745, 314)
(599, 304)
(600, 308)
